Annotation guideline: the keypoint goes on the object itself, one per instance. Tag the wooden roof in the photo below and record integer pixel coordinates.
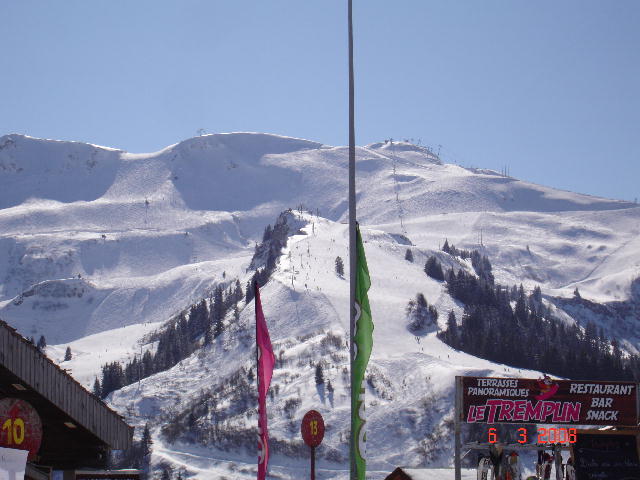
(398, 474)
(55, 393)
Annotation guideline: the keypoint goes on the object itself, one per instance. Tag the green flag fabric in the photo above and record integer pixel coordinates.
(363, 343)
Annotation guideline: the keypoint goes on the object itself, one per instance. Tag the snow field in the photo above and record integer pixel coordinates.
(150, 234)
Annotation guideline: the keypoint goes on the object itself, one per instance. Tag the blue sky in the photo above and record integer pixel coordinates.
(551, 89)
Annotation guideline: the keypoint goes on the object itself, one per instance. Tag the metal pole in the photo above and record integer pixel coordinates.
(352, 235)
(457, 461)
(313, 463)
(256, 296)
(256, 290)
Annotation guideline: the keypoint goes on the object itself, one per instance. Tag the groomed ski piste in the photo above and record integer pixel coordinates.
(99, 248)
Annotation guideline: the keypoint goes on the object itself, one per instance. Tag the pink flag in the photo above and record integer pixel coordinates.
(266, 360)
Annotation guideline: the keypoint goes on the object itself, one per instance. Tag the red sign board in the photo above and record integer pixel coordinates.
(312, 428)
(522, 400)
(20, 426)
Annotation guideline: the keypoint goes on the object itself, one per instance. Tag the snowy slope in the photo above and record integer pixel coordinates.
(89, 353)
(98, 247)
(412, 395)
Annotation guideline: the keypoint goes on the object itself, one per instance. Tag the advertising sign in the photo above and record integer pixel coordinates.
(522, 400)
(20, 426)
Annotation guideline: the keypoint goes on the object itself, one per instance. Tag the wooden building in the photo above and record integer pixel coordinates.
(407, 473)
(77, 429)
(398, 474)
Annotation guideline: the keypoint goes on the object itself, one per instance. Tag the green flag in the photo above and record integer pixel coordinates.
(363, 342)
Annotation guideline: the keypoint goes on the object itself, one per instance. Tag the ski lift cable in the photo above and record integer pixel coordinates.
(397, 187)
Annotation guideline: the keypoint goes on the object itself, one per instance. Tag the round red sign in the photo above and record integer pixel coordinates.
(312, 428)
(20, 426)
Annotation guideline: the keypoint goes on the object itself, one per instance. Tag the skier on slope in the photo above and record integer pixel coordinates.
(570, 471)
(496, 455)
(547, 461)
(484, 466)
(513, 467)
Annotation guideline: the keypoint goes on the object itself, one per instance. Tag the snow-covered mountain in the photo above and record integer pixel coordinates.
(99, 247)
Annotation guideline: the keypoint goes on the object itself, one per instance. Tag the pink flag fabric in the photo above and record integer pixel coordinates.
(266, 360)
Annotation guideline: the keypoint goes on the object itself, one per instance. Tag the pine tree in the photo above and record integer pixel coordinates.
(97, 390)
(537, 294)
(147, 364)
(42, 343)
(218, 328)
(267, 233)
(146, 441)
(445, 247)
(249, 294)
(207, 336)
(433, 268)
(319, 375)
(183, 336)
(452, 329)
(112, 378)
(238, 292)
(339, 267)
(420, 314)
(67, 354)
(521, 307)
(218, 312)
(408, 256)
(218, 303)
(482, 266)
(591, 335)
(421, 301)
(513, 293)
(198, 320)
(576, 293)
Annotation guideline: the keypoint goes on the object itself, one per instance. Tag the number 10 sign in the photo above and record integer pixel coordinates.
(20, 426)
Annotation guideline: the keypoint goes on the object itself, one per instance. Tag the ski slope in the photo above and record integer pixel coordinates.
(99, 247)
(413, 396)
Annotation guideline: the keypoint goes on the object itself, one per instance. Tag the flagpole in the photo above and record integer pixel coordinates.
(255, 316)
(352, 234)
(256, 296)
